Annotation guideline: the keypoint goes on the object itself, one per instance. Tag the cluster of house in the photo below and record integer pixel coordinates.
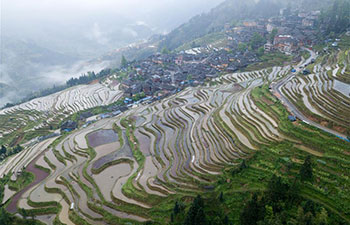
(293, 30)
(161, 75)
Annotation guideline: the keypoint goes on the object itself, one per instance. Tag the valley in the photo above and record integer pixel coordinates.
(178, 145)
(239, 116)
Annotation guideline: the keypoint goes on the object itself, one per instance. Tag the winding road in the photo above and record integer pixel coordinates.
(277, 89)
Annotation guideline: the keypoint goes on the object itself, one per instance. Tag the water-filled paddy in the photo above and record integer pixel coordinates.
(102, 137)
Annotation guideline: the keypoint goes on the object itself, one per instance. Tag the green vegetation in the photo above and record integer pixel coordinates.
(305, 54)
(298, 177)
(269, 60)
(124, 62)
(23, 180)
(337, 18)
(306, 170)
(256, 41)
(216, 39)
(272, 35)
(279, 184)
(9, 219)
(212, 22)
(242, 47)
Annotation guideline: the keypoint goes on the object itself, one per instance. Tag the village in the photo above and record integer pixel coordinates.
(166, 73)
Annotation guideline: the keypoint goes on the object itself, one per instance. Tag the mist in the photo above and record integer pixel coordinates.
(81, 28)
(45, 42)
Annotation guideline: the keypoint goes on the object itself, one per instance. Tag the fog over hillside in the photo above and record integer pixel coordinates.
(45, 42)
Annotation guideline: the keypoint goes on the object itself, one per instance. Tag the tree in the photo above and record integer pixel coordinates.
(322, 217)
(124, 62)
(3, 150)
(196, 215)
(257, 41)
(306, 170)
(277, 189)
(242, 47)
(172, 217)
(252, 212)
(18, 148)
(194, 45)
(23, 212)
(5, 217)
(243, 165)
(226, 220)
(221, 197)
(300, 215)
(176, 208)
(337, 18)
(165, 51)
(32, 215)
(261, 51)
(273, 34)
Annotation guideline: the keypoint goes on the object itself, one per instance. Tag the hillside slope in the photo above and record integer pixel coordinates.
(229, 11)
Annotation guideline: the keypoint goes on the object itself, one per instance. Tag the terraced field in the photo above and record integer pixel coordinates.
(37, 114)
(322, 97)
(127, 168)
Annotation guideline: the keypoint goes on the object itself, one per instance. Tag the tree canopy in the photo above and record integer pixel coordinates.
(257, 41)
(123, 62)
(337, 18)
(306, 170)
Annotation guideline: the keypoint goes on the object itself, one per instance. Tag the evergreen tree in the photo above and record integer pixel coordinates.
(196, 215)
(172, 217)
(124, 62)
(306, 170)
(273, 34)
(337, 18)
(221, 197)
(165, 51)
(3, 149)
(277, 189)
(226, 220)
(176, 208)
(5, 217)
(23, 212)
(257, 41)
(252, 212)
(243, 165)
(322, 217)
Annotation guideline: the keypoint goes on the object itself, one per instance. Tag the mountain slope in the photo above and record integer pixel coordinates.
(229, 11)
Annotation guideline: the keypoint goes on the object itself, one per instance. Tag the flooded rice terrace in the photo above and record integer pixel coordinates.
(102, 137)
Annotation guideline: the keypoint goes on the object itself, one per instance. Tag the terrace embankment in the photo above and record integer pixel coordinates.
(180, 146)
(39, 174)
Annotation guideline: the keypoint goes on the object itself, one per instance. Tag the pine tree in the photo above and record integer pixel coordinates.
(172, 217)
(322, 217)
(176, 208)
(196, 215)
(251, 213)
(124, 62)
(3, 149)
(226, 220)
(24, 213)
(4, 217)
(306, 170)
(243, 165)
(221, 197)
